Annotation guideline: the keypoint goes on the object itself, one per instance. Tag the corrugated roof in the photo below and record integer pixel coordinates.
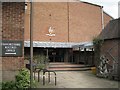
(111, 31)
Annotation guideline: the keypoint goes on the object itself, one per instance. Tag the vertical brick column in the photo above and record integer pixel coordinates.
(12, 29)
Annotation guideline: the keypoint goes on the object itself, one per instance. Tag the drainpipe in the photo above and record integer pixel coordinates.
(102, 17)
(119, 9)
(68, 20)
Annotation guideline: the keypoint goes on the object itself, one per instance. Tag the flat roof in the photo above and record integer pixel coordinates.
(58, 44)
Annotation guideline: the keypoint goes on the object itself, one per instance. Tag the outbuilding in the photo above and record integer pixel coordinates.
(111, 45)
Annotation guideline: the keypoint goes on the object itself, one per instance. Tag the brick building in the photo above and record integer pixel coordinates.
(110, 47)
(12, 38)
(59, 26)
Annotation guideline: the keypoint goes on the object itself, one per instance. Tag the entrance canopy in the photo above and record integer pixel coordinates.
(58, 44)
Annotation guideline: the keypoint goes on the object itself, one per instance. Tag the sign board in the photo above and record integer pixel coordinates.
(11, 48)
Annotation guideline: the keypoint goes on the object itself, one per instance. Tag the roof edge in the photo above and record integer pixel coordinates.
(98, 6)
(108, 14)
(91, 4)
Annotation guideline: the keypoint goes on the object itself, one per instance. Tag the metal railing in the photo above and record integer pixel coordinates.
(44, 72)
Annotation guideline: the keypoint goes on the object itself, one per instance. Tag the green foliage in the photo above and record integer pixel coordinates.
(8, 86)
(40, 60)
(22, 81)
(26, 57)
(97, 41)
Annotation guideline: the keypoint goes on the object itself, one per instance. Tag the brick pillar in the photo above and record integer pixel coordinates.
(12, 30)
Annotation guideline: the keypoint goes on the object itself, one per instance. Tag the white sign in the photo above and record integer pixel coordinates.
(51, 32)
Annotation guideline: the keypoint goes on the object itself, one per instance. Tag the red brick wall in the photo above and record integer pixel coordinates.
(110, 46)
(107, 18)
(13, 21)
(80, 23)
(46, 15)
(12, 29)
(85, 22)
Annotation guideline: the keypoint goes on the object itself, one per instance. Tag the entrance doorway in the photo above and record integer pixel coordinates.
(56, 55)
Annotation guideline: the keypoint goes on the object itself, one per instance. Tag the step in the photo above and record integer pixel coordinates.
(69, 69)
(62, 66)
(67, 65)
(58, 63)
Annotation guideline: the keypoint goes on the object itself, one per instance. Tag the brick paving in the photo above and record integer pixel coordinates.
(78, 79)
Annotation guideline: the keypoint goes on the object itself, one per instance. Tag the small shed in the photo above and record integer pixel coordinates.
(110, 48)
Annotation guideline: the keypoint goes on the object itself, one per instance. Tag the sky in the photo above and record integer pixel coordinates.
(109, 6)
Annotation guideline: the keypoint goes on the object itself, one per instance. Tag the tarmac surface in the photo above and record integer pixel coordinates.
(77, 79)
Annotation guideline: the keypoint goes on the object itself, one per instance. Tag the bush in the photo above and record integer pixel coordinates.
(97, 42)
(22, 81)
(8, 85)
(41, 61)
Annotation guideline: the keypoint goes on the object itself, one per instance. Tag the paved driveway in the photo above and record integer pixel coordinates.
(78, 79)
